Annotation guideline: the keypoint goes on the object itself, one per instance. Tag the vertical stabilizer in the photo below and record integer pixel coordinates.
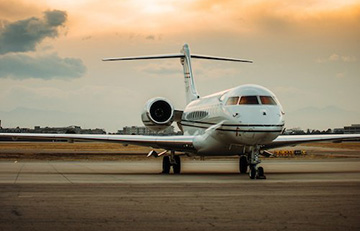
(190, 89)
(185, 58)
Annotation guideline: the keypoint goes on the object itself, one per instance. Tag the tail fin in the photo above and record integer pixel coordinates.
(190, 89)
(185, 58)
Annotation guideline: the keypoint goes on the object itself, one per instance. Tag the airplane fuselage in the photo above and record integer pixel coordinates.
(241, 117)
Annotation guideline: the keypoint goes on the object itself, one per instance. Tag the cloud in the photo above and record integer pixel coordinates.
(348, 59)
(87, 37)
(17, 9)
(333, 57)
(340, 75)
(337, 58)
(150, 37)
(24, 35)
(21, 66)
(55, 18)
(19, 38)
(163, 68)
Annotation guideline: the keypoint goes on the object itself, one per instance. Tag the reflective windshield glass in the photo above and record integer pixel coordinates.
(267, 100)
(249, 100)
(232, 100)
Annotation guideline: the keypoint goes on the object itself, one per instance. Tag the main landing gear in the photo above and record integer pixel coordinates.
(252, 160)
(243, 164)
(171, 161)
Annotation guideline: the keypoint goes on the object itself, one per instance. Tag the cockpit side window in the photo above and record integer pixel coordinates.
(232, 100)
(268, 100)
(222, 97)
(249, 100)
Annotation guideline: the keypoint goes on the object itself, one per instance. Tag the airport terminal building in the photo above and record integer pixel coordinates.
(54, 130)
(353, 129)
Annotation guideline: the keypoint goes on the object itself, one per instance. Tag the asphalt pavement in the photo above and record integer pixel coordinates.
(321, 194)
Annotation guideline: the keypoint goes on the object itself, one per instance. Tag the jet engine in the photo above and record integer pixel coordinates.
(158, 114)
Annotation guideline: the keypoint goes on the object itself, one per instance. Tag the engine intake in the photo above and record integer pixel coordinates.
(158, 114)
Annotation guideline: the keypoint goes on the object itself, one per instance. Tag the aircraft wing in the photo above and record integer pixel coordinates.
(176, 143)
(291, 140)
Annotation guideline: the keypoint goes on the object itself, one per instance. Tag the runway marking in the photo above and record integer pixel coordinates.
(63, 175)
(18, 174)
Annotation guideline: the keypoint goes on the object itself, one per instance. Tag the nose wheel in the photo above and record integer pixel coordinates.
(255, 172)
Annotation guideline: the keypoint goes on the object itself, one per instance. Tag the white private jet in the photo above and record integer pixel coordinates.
(246, 121)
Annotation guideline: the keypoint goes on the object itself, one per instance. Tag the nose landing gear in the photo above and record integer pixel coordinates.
(252, 160)
(256, 172)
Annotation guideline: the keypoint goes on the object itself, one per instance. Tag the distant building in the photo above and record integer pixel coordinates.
(142, 130)
(294, 131)
(54, 130)
(338, 131)
(353, 129)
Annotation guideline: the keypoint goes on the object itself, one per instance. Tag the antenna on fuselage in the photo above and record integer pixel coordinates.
(185, 58)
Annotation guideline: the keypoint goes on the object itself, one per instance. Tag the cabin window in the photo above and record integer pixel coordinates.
(249, 100)
(232, 100)
(268, 100)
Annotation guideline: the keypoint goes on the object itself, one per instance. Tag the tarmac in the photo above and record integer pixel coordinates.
(319, 194)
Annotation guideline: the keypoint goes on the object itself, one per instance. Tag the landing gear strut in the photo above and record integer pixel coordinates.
(171, 161)
(255, 172)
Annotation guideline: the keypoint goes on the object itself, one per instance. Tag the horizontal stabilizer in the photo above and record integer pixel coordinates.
(171, 56)
(220, 58)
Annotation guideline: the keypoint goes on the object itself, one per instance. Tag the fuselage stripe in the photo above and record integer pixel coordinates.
(231, 130)
(235, 125)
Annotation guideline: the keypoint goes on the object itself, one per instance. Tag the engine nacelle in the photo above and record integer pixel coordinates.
(158, 114)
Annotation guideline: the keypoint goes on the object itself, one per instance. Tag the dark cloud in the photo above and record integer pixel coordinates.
(21, 66)
(55, 18)
(24, 35)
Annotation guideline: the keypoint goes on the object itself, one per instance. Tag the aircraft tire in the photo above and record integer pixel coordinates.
(177, 165)
(166, 165)
(243, 165)
(261, 174)
(252, 173)
(260, 171)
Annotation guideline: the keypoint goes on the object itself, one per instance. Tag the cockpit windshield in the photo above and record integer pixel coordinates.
(251, 100)
(233, 100)
(268, 100)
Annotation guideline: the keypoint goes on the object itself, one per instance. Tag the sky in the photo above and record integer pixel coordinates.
(51, 73)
